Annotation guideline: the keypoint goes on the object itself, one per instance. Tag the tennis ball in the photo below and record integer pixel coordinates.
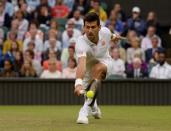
(90, 94)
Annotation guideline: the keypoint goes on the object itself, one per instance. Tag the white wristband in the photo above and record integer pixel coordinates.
(78, 82)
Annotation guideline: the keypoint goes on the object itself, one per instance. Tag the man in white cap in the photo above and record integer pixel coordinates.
(135, 22)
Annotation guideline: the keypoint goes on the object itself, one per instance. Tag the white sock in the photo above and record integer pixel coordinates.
(87, 102)
(95, 104)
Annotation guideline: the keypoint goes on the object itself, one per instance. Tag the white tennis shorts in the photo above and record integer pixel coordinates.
(88, 76)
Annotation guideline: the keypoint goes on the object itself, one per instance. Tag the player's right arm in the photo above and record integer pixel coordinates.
(81, 53)
(81, 69)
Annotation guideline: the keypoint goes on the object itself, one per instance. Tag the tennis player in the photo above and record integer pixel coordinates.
(94, 63)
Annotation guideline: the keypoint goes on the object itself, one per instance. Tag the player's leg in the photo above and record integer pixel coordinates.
(92, 82)
(99, 71)
(85, 109)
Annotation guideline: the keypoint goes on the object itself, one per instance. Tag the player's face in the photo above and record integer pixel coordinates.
(92, 30)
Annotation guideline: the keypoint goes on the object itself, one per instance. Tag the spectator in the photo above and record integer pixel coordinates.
(69, 33)
(34, 29)
(18, 4)
(66, 36)
(4, 17)
(14, 28)
(54, 25)
(60, 10)
(52, 43)
(153, 21)
(154, 60)
(78, 20)
(149, 52)
(9, 42)
(14, 2)
(52, 71)
(27, 69)
(118, 64)
(31, 46)
(136, 22)
(10, 54)
(135, 51)
(114, 24)
(130, 36)
(51, 3)
(32, 4)
(37, 54)
(18, 61)
(70, 71)
(162, 70)
(35, 36)
(43, 3)
(119, 11)
(43, 14)
(1, 59)
(146, 41)
(9, 8)
(69, 4)
(122, 52)
(99, 10)
(52, 55)
(82, 5)
(27, 15)
(137, 69)
(68, 53)
(8, 70)
(22, 5)
(1, 38)
(29, 56)
(22, 24)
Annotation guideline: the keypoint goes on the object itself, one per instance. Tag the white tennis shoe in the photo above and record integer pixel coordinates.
(96, 113)
(83, 115)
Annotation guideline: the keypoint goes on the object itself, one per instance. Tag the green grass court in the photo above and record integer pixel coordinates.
(62, 118)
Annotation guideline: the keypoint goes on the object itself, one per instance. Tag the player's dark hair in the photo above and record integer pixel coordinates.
(91, 17)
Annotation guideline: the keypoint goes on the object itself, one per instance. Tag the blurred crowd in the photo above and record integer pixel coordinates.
(37, 39)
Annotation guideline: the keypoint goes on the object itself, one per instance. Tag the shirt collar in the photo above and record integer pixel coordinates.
(164, 65)
(88, 41)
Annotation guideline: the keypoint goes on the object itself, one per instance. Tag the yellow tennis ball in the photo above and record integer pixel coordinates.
(90, 94)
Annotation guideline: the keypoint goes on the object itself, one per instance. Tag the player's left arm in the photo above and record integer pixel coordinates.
(108, 35)
(115, 37)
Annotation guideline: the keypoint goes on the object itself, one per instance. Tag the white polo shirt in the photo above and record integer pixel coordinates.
(161, 72)
(47, 74)
(95, 53)
(118, 67)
